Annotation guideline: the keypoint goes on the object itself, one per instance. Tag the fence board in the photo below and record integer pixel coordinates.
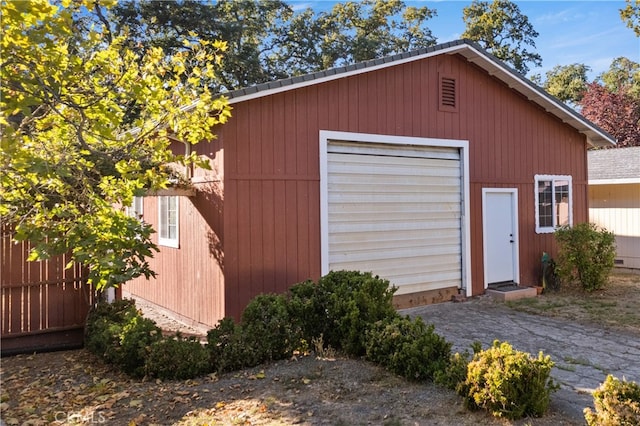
(44, 305)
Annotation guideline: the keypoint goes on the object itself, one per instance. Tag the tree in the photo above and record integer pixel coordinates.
(631, 15)
(567, 82)
(503, 30)
(72, 150)
(246, 26)
(623, 76)
(267, 40)
(617, 113)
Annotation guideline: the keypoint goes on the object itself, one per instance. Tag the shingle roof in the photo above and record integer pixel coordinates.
(468, 49)
(621, 165)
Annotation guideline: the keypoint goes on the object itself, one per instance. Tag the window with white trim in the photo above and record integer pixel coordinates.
(136, 208)
(168, 220)
(554, 202)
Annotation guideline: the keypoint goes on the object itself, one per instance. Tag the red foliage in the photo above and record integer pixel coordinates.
(616, 113)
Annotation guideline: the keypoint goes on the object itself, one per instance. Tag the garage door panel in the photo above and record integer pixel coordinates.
(398, 217)
(390, 226)
(410, 256)
(430, 236)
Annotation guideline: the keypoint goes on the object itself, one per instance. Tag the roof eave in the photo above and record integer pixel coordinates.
(596, 136)
(471, 51)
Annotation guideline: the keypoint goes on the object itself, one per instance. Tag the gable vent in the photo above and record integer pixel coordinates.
(448, 92)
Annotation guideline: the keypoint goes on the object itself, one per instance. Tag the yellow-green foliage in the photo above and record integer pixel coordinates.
(617, 403)
(508, 383)
(86, 122)
(586, 255)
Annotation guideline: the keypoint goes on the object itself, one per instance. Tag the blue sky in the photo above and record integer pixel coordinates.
(588, 32)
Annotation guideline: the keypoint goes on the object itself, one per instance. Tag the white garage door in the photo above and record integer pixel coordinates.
(396, 211)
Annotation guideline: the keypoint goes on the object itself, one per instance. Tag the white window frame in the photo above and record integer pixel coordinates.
(137, 208)
(165, 203)
(550, 229)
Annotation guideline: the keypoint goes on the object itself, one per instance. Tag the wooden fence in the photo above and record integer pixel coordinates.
(44, 306)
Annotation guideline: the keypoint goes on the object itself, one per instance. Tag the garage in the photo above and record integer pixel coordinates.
(395, 207)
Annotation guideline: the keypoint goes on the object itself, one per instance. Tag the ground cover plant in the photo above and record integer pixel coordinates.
(615, 306)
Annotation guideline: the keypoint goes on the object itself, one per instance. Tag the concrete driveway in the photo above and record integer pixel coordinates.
(583, 354)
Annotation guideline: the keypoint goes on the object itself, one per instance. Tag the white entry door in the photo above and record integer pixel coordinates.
(500, 231)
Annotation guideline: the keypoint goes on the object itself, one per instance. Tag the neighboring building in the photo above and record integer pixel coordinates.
(614, 199)
(441, 169)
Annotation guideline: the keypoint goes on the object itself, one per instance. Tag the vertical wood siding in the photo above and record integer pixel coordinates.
(271, 215)
(190, 279)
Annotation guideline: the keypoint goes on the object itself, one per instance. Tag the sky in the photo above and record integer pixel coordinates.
(587, 32)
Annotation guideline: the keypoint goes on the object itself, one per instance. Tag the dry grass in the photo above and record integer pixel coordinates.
(617, 306)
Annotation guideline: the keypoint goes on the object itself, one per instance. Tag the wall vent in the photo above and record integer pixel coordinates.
(448, 94)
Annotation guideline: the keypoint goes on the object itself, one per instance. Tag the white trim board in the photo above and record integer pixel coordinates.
(516, 237)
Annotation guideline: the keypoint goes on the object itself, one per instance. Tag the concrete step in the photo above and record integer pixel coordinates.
(512, 294)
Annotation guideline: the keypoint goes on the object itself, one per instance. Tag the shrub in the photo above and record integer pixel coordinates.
(508, 383)
(227, 348)
(176, 358)
(119, 334)
(408, 348)
(617, 403)
(308, 309)
(136, 338)
(341, 306)
(104, 324)
(455, 373)
(267, 327)
(586, 254)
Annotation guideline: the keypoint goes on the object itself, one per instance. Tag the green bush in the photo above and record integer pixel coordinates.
(455, 373)
(119, 334)
(267, 327)
(586, 255)
(340, 308)
(104, 324)
(508, 383)
(136, 338)
(617, 403)
(176, 358)
(227, 348)
(307, 308)
(408, 348)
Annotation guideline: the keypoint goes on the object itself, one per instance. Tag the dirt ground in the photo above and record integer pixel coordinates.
(75, 387)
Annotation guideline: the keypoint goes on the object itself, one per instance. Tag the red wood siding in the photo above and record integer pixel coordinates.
(270, 220)
(190, 279)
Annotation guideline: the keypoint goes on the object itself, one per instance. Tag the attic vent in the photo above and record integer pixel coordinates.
(448, 94)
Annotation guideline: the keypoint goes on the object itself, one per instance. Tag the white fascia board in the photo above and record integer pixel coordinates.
(345, 74)
(620, 181)
(551, 105)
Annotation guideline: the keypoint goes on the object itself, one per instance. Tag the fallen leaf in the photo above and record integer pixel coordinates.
(135, 403)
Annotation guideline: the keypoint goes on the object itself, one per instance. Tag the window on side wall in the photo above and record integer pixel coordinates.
(136, 209)
(168, 234)
(554, 202)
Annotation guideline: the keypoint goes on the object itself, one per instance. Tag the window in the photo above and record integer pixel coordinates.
(553, 202)
(136, 208)
(168, 221)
